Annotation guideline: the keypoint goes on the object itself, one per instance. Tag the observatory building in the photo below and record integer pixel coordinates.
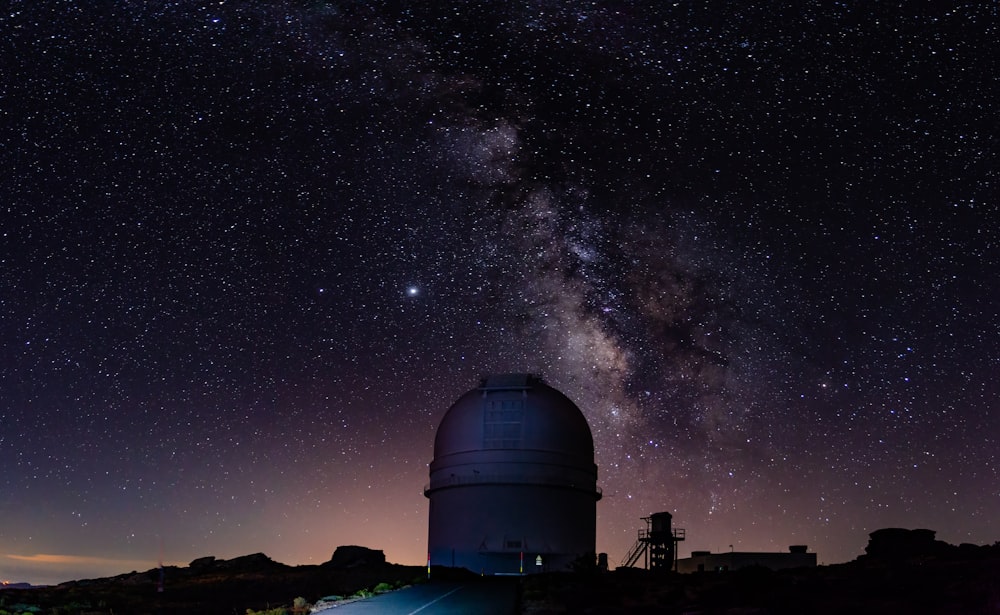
(513, 484)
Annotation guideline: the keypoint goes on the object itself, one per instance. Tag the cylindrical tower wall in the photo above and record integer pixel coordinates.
(486, 528)
(661, 541)
(660, 525)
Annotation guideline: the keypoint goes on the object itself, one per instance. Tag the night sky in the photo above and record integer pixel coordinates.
(252, 251)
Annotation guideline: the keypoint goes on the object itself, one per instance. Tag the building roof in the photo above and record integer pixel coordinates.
(514, 411)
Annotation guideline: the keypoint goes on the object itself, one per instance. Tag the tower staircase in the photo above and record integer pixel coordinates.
(637, 551)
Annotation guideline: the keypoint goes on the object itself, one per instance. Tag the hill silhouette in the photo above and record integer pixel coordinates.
(901, 571)
(210, 586)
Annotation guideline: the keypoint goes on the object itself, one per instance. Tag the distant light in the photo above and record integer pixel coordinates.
(412, 291)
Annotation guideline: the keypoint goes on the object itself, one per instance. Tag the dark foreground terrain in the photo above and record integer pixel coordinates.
(902, 571)
(210, 586)
(959, 588)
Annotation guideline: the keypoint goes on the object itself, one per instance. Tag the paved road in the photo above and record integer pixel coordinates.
(488, 596)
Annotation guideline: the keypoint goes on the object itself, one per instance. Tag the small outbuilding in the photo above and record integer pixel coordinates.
(797, 556)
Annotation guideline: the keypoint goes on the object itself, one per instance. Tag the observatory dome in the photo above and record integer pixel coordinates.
(513, 479)
(525, 413)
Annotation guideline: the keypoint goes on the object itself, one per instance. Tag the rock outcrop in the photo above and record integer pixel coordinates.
(350, 556)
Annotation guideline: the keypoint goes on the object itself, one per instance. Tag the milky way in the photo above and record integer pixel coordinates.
(251, 253)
